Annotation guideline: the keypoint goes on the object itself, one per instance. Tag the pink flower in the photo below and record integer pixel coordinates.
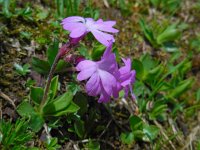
(101, 81)
(125, 78)
(79, 27)
(105, 78)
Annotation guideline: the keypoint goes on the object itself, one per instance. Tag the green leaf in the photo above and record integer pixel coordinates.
(22, 70)
(155, 2)
(79, 128)
(148, 62)
(40, 66)
(74, 87)
(138, 134)
(61, 66)
(36, 122)
(53, 87)
(14, 135)
(82, 102)
(36, 94)
(6, 5)
(198, 95)
(138, 66)
(158, 111)
(18, 68)
(92, 145)
(52, 144)
(25, 109)
(181, 88)
(155, 73)
(52, 51)
(84, 51)
(148, 33)
(72, 108)
(61, 105)
(97, 51)
(127, 138)
(135, 123)
(170, 47)
(150, 131)
(42, 14)
(171, 33)
(60, 8)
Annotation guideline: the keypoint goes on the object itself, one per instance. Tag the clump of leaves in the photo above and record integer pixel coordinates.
(157, 85)
(22, 70)
(155, 78)
(124, 6)
(140, 131)
(55, 106)
(52, 144)
(67, 7)
(162, 36)
(10, 10)
(14, 136)
(171, 6)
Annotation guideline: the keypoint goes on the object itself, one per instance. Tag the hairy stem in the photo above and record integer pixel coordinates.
(62, 52)
(52, 70)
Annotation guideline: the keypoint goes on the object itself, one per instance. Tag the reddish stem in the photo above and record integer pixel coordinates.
(62, 51)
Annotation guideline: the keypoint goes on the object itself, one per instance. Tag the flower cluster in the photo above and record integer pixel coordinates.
(105, 77)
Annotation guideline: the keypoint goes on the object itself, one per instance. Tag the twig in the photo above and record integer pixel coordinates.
(133, 105)
(75, 145)
(47, 131)
(179, 139)
(105, 129)
(164, 134)
(191, 137)
(127, 106)
(113, 118)
(4, 96)
(106, 3)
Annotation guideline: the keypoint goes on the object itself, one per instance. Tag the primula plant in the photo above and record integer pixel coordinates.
(111, 74)
(106, 78)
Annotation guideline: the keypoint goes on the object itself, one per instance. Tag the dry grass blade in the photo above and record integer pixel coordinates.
(4, 96)
(164, 134)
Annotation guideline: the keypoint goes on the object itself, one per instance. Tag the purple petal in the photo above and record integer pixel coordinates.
(103, 38)
(127, 67)
(93, 85)
(108, 81)
(108, 62)
(116, 90)
(107, 26)
(128, 78)
(104, 98)
(85, 64)
(126, 90)
(126, 82)
(85, 74)
(92, 81)
(73, 19)
(73, 26)
(108, 50)
(99, 21)
(78, 32)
